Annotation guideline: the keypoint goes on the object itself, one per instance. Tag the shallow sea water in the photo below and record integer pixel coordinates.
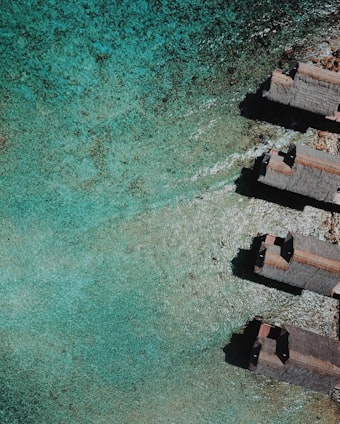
(120, 142)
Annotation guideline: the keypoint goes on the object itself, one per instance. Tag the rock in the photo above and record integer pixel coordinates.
(336, 53)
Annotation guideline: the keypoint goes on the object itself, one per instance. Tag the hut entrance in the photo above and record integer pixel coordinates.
(282, 350)
(287, 248)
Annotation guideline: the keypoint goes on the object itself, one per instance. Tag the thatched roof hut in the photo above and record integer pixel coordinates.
(297, 356)
(306, 87)
(300, 261)
(303, 170)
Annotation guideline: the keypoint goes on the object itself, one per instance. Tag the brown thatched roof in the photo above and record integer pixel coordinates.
(298, 356)
(301, 261)
(324, 351)
(306, 87)
(303, 170)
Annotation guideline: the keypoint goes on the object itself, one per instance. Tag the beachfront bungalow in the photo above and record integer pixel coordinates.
(296, 356)
(307, 87)
(301, 261)
(302, 170)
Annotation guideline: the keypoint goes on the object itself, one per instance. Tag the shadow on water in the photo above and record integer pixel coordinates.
(243, 267)
(255, 106)
(247, 185)
(238, 350)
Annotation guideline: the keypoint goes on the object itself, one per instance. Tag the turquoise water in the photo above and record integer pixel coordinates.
(120, 141)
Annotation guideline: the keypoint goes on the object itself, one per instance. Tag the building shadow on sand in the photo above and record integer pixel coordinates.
(237, 351)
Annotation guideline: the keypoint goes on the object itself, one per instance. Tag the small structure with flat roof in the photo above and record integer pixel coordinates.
(301, 261)
(304, 171)
(307, 87)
